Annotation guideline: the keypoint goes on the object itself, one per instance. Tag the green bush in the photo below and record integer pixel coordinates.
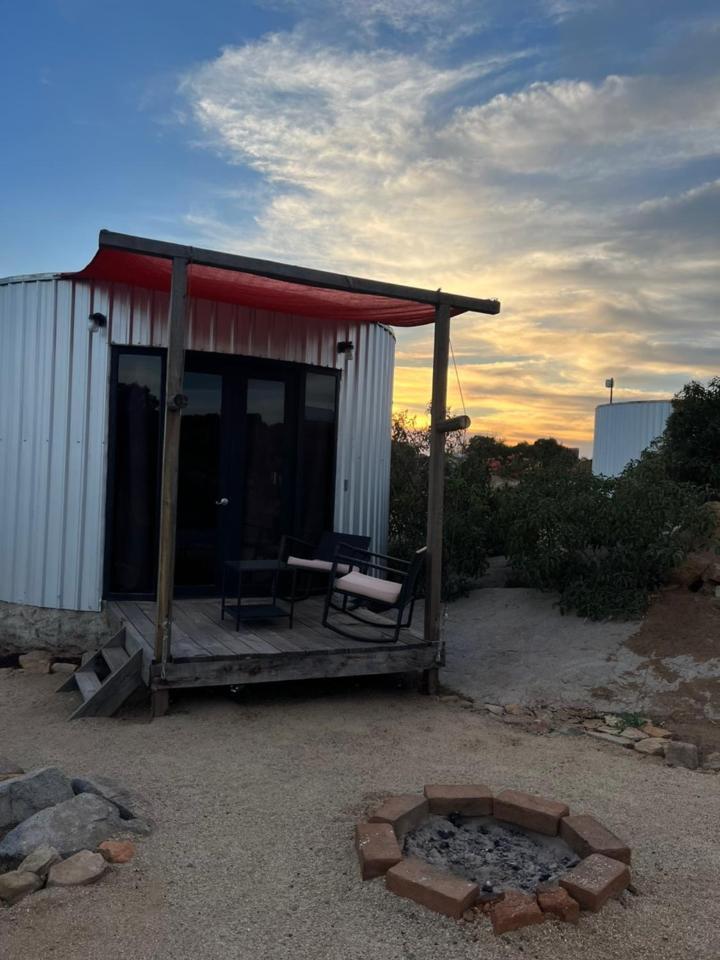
(604, 544)
(691, 442)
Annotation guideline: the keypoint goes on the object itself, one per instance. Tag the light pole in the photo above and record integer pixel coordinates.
(610, 383)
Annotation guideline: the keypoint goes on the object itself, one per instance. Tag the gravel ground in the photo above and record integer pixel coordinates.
(256, 802)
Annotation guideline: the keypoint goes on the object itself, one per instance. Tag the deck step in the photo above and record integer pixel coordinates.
(108, 677)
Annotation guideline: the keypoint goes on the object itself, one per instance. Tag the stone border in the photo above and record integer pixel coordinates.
(602, 873)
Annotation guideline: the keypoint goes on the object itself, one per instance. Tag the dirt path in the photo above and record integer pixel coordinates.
(256, 802)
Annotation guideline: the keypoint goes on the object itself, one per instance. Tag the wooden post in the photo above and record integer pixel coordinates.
(436, 478)
(170, 457)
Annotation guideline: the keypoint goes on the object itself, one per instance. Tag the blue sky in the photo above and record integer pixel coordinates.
(562, 155)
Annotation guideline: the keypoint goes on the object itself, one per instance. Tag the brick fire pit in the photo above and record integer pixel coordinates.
(560, 862)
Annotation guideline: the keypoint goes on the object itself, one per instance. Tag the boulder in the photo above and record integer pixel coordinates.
(678, 754)
(76, 824)
(60, 666)
(654, 746)
(37, 661)
(40, 861)
(9, 769)
(712, 762)
(17, 884)
(109, 790)
(82, 868)
(25, 795)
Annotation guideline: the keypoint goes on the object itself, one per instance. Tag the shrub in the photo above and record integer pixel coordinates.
(691, 442)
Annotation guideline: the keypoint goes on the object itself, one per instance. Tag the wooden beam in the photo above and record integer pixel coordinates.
(436, 478)
(454, 423)
(293, 274)
(170, 457)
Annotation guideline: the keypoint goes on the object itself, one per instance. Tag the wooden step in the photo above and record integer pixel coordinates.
(114, 657)
(88, 682)
(114, 690)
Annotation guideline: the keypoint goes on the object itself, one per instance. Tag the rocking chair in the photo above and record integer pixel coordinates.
(378, 595)
(316, 560)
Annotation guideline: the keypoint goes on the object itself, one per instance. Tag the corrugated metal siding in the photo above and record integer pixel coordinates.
(53, 419)
(624, 430)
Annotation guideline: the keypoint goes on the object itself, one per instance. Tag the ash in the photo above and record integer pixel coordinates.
(492, 854)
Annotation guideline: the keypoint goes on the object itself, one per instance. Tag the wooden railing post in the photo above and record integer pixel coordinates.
(436, 478)
(170, 458)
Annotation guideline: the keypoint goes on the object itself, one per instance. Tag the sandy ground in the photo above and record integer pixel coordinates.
(256, 803)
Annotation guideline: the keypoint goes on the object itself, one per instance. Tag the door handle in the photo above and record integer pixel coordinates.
(222, 502)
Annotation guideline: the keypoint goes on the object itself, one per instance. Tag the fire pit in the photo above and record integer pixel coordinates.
(463, 852)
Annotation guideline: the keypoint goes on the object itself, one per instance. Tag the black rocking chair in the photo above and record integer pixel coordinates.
(316, 560)
(379, 595)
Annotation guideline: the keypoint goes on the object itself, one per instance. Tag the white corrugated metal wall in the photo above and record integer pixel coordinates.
(54, 408)
(624, 430)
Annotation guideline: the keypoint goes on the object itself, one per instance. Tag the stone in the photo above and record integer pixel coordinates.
(8, 768)
(403, 812)
(611, 731)
(610, 738)
(632, 733)
(529, 811)
(652, 746)
(25, 795)
(37, 661)
(610, 720)
(110, 790)
(18, 884)
(679, 754)
(471, 800)
(117, 851)
(593, 723)
(377, 849)
(515, 709)
(595, 880)
(558, 903)
(494, 708)
(61, 667)
(650, 730)
(77, 871)
(432, 888)
(712, 762)
(585, 835)
(514, 911)
(40, 860)
(77, 824)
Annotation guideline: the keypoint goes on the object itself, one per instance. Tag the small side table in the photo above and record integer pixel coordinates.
(256, 611)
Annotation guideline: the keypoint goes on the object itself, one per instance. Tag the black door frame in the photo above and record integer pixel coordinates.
(247, 368)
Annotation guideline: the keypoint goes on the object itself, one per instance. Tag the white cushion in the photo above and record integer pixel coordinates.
(384, 590)
(324, 566)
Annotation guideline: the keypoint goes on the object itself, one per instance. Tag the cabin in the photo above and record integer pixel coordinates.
(168, 413)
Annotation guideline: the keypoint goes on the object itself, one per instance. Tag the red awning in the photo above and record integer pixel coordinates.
(250, 290)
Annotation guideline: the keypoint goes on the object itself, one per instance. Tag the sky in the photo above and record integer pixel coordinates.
(560, 155)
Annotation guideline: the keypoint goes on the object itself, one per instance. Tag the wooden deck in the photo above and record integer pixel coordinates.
(207, 651)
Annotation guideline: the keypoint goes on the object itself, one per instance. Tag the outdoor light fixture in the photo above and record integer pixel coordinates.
(95, 321)
(610, 383)
(345, 346)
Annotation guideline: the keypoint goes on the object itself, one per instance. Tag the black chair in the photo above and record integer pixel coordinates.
(316, 560)
(376, 593)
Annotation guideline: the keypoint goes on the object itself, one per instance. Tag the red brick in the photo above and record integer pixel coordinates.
(586, 835)
(472, 800)
(560, 904)
(431, 888)
(404, 812)
(515, 910)
(377, 849)
(595, 880)
(529, 811)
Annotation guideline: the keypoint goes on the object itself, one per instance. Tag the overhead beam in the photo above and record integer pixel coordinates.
(293, 274)
(177, 321)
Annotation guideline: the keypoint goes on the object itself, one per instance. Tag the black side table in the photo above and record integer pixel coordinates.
(256, 611)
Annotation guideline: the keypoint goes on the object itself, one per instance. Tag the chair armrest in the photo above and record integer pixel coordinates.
(287, 539)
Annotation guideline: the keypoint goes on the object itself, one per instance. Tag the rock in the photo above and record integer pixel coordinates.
(494, 708)
(693, 568)
(82, 868)
(61, 667)
(515, 709)
(18, 884)
(40, 861)
(610, 738)
(593, 723)
(632, 733)
(610, 720)
(77, 824)
(122, 851)
(37, 661)
(712, 762)
(650, 730)
(25, 795)
(469, 916)
(678, 754)
(610, 730)
(109, 790)
(653, 746)
(9, 769)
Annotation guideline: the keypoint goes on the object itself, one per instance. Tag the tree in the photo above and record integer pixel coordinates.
(691, 442)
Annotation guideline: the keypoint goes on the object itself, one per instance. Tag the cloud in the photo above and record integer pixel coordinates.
(398, 164)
